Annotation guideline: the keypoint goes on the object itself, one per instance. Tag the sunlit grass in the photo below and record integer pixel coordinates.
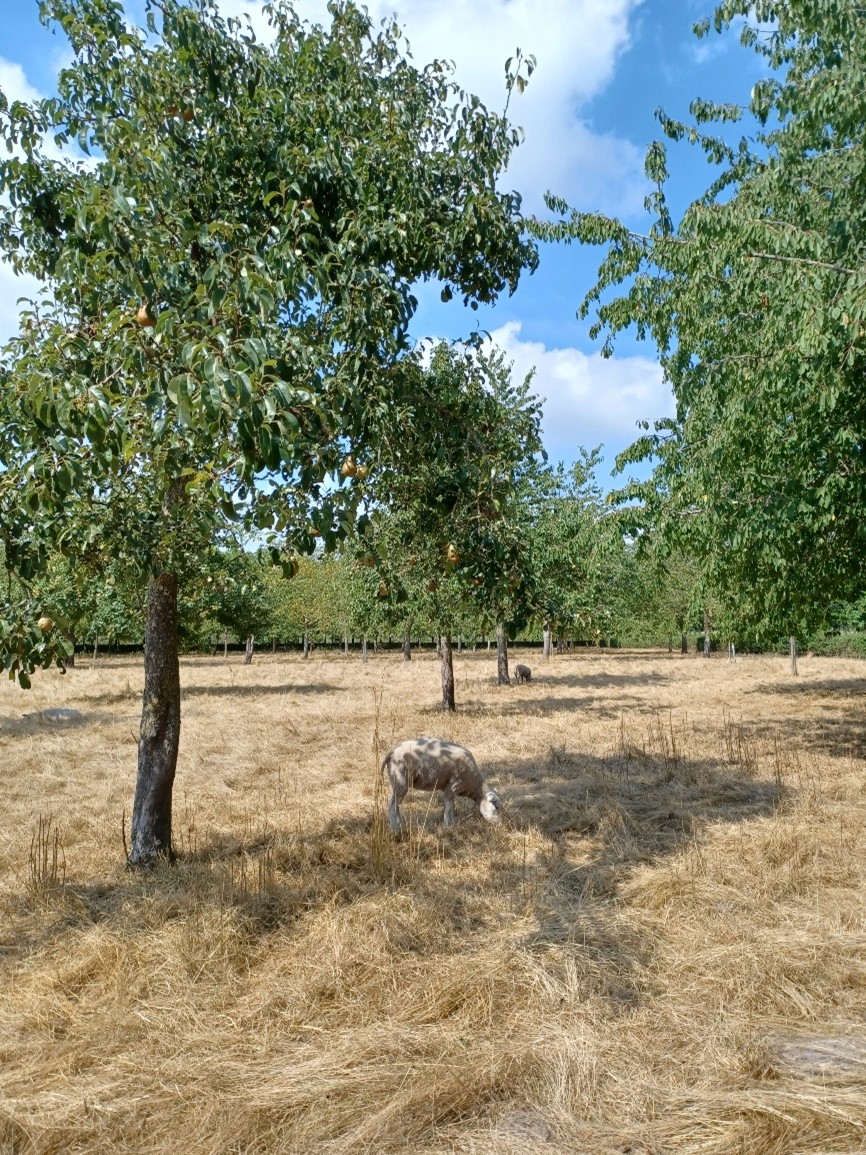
(661, 949)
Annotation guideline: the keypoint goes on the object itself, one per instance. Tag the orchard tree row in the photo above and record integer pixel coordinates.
(568, 577)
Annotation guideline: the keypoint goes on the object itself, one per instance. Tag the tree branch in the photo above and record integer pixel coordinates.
(802, 261)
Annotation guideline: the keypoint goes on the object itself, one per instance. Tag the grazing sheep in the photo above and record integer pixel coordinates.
(434, 764)
(522, 674)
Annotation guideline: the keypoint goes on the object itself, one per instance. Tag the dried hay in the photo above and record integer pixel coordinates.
(662, 949)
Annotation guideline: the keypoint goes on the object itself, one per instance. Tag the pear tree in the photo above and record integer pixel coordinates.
(453, 491)
(756, 302)
(228, 232)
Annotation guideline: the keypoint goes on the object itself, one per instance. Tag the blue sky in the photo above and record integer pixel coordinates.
(603, 67)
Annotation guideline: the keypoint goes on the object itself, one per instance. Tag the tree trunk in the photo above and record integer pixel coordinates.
(225, 644)
(70, 661)
(707, 629)
(364, 648)
(792, 652)
(346, 644)
(502, 656)
(306, 645)
(248, 650)
(159, 735)
(684, 642)
(732, 651)
(447, 672)
(273, 645)
(407, 647)
(96, 647)
(545, 634)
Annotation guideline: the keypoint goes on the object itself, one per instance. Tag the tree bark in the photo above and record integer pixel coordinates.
(225, 644)
(96, 647)
(364, 648)
(684, 642)
(792, 653)
(160, 727)
(248, 650)
(306, 645)
(407, 646)
(545, 634)
(707, 629)
(502, 656)
(447, 672)
(346, 644)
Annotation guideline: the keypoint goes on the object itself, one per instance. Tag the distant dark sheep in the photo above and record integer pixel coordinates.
(522, 674)
(434, 764)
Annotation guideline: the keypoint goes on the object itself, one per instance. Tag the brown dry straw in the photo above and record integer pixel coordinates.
(662, 948)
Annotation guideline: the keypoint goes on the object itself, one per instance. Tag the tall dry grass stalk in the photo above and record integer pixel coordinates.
(660, 950)
(380, 841)
(47, 861)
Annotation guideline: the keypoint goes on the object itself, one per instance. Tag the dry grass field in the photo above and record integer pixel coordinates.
(662, 949)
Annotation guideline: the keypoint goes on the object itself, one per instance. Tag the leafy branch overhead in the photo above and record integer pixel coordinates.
(756, 301)
(226, 269)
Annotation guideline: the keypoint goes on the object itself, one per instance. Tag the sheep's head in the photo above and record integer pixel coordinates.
(490, 806)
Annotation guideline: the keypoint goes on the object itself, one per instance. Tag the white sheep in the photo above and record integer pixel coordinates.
(434, 764)
(523, 673)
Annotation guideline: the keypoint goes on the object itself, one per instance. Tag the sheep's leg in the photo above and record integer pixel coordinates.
(394, 812)
(448, 808)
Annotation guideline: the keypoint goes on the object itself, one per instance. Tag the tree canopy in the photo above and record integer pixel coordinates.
(756, 301)
(228, 232)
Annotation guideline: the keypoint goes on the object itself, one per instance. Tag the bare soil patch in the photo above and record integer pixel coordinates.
(662, 949)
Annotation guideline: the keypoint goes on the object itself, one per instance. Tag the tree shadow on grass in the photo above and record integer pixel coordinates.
(844, 688)
(539, 706)
(837, 726)
(256, 690)
(657, 800)
(576, 825)
(597, 681)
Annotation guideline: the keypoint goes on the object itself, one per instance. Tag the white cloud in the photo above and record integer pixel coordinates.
(14, 83)
(576, 44)
(589, 399)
